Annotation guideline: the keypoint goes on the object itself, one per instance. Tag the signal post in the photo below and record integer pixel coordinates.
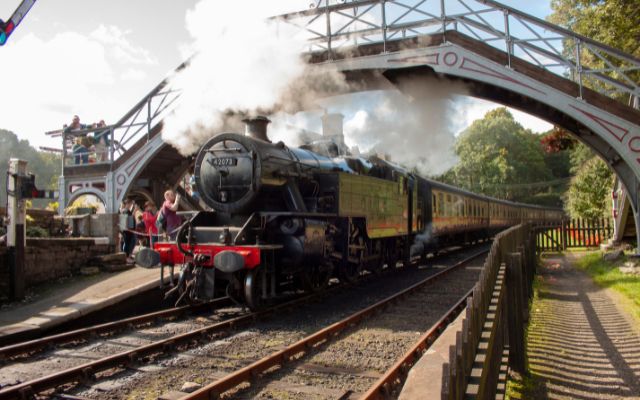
(16, 240)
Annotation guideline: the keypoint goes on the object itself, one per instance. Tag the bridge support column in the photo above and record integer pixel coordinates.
(635, 201)
(111, 206)
(635, 206)
(63, 196)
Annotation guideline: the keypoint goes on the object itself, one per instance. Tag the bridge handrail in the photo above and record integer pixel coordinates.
(564, 31)
(377, 27)
(133, 126)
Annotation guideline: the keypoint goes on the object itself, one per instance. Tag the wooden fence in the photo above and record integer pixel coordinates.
(573, 233)
(494, 319)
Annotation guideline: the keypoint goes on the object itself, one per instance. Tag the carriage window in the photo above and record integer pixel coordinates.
(447, 210)
(434, 204)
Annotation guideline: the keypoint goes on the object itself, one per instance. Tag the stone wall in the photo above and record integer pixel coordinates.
(95, 225)
(4, 272)
(48, 259)
(89, 225)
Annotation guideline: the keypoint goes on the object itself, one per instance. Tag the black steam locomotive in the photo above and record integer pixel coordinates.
(287, 218)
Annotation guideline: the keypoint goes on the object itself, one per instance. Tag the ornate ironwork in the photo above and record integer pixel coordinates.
(333, 25)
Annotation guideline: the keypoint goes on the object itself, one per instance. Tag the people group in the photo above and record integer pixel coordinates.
(83, 144)
(145, 226)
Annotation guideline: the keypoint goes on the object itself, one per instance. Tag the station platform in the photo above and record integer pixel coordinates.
(60, 303)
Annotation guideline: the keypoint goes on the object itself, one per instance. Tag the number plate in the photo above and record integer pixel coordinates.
(223, 161)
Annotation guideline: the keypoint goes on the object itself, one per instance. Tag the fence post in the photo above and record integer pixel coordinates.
(527, 280)
(514, 319)
(446, 382)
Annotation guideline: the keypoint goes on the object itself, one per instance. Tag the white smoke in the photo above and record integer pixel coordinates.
(415, 128)
(244, 63)
(248, 64)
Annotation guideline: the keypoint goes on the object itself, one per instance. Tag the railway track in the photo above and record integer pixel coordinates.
(33, 347)
(347, 358)
(106, 365)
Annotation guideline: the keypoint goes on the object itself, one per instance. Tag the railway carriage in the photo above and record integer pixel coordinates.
(283, 218)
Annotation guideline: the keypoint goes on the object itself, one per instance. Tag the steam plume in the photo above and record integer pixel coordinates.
(415, 127)
(244, 64)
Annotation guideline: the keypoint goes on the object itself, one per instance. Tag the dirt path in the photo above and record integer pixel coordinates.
(580, 346)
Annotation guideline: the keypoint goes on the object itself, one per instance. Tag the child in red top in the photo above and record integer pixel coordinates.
(149, 217)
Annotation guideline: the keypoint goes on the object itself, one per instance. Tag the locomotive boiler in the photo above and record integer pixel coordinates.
(284, 219)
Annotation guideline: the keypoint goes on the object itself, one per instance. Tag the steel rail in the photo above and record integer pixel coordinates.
(44, 343)
(397, 373)
(86, 371)
(279, 358)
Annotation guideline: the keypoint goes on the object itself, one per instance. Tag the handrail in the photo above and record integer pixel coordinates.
(557, 28)
(350, 23)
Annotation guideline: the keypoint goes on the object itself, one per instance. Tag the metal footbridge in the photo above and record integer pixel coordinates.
(497, 52)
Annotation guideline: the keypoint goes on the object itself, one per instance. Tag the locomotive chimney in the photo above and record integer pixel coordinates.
(257, 127)
(332, 127)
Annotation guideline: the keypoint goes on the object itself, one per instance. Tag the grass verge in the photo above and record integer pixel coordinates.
(607, 275)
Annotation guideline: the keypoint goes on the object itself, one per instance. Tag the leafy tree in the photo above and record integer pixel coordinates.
(579, 156)
(588, 195)
(500, 158)
(45, 166)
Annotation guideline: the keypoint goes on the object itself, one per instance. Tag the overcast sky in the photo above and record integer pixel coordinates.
(98, 58)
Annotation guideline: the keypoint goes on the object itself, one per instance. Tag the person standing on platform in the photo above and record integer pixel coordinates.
(141, 231)
(149, 216)
(169, 208)
(128, 208)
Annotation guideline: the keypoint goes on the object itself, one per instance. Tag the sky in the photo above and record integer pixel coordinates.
(97, 59)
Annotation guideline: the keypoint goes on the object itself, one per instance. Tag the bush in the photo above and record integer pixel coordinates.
(36, 231)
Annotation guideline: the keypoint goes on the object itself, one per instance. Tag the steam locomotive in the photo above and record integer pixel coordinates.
(286, 218)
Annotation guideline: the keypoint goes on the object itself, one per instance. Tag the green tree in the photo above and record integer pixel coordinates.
(45, 166)
(588, 195)
(579, 156)
(498, 157)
